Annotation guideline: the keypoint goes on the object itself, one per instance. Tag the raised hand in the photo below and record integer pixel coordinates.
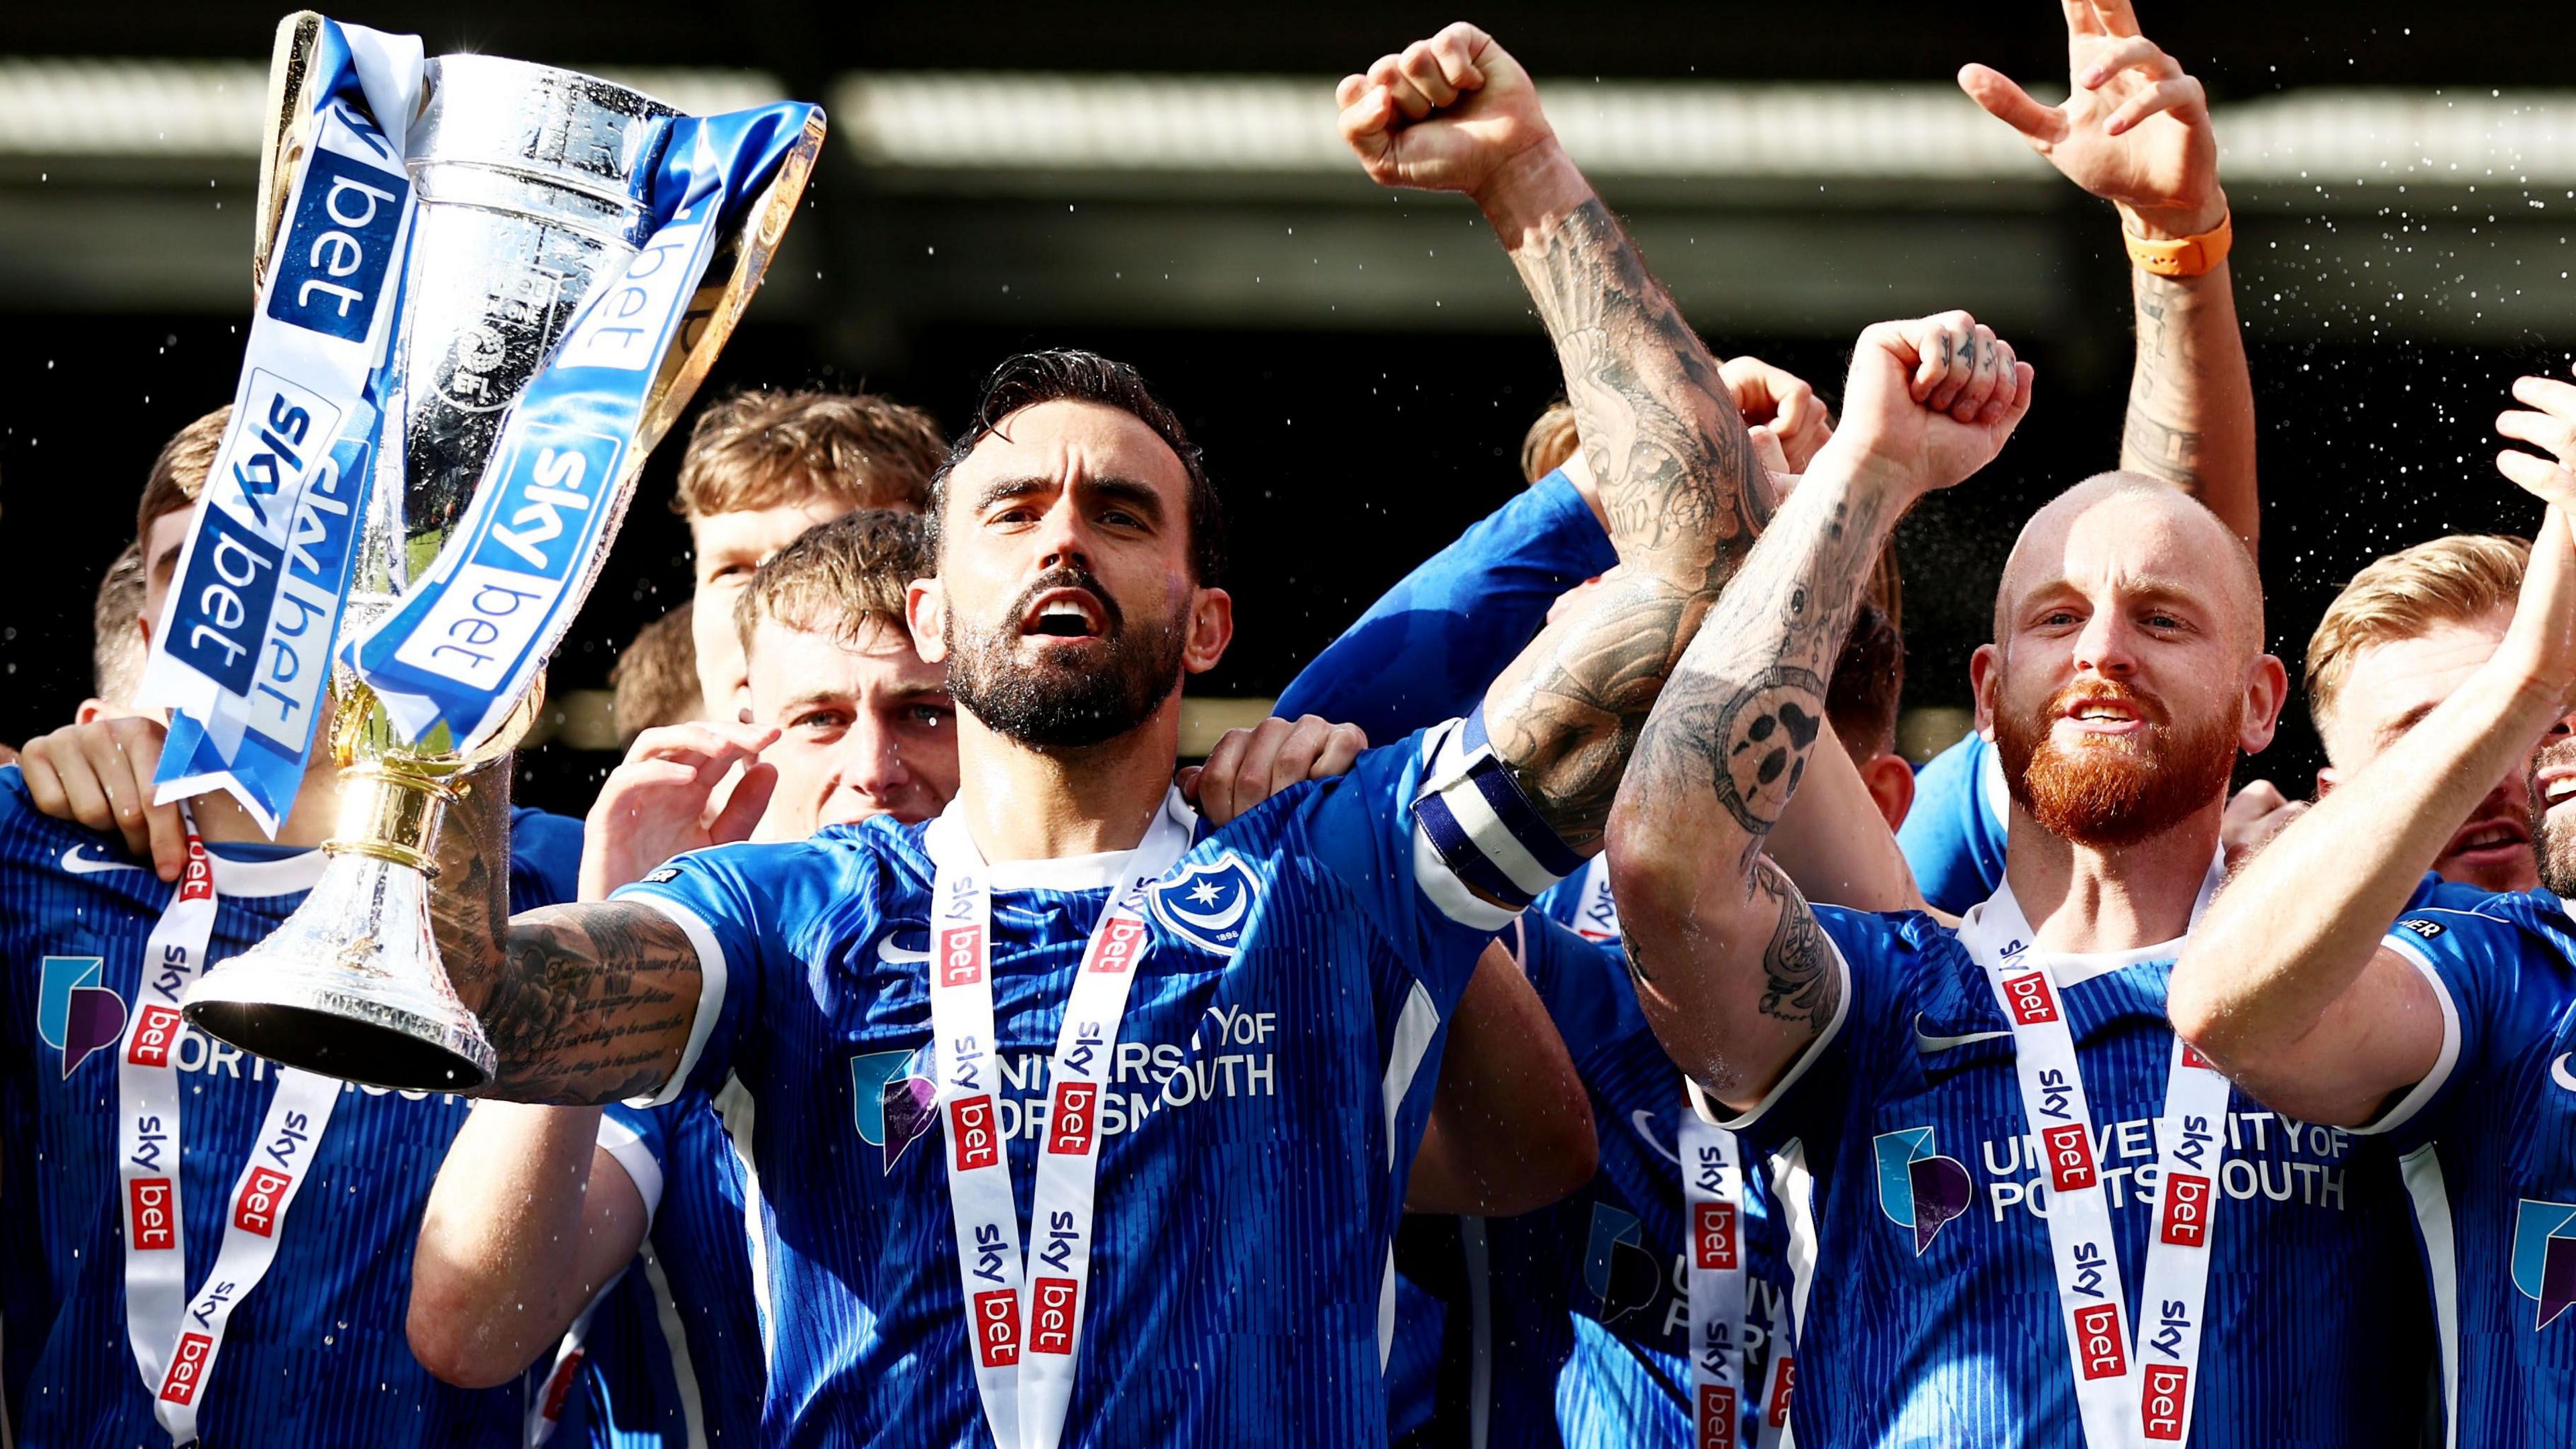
(99, 776)
(661, 800)
(1452, 113)
(2134, 130)
(1935, 398)
(2541, 641)
(1249, 766)
(1782, 414)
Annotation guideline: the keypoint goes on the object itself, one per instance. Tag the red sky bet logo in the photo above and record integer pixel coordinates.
(2100, 1346)
(149, 1225)
(262, 1193)
(1073, 1118)
(961, 955)
(154, 1032)
(2070, 1157)
(1713, 1234)
(997, 1328)
(2191, 1057)
(2185, 1218)
(1784, 1379)
(187, 1368)
(197, 880)
(1120, 945)
(2164, 1402)
(2029, 999)
(1716, 1416)
(1052, 1306)
(971, 1134)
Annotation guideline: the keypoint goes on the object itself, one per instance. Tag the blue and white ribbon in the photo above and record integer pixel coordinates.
(242, 650)
(469, 636)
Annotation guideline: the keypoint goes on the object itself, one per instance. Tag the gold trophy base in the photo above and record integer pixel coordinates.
(351, 986)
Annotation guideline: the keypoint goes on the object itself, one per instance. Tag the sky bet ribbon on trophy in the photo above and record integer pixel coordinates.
(468, 638)
(241, 652)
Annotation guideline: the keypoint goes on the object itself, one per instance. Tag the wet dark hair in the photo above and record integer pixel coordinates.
(1060, 374)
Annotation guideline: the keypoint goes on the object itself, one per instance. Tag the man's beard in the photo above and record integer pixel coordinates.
(1049, 702)
(2113, 791)
(2553, 847)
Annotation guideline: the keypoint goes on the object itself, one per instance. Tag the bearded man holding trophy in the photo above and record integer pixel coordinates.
(485, 289)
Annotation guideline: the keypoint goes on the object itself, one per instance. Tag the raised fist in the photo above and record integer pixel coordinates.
(1933, 399)
(2134, 130)
(1446, 114)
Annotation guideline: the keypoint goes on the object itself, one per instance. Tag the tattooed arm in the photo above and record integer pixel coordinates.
(585, 1004)
(1730, 964)
(2135, 131)
(1665, 444)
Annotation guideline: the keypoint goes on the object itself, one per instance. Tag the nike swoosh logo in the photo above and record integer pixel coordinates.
(1928, 1044)
(79, 864)
(2558, 1072)
(894, 955)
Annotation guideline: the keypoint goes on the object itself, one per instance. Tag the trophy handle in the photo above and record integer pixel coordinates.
(718, 306)
(290, 124)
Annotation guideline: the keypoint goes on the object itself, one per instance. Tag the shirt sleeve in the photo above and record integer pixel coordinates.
(2481, 962)
(1877, 961)
(753, 913)
(1435, 843)
(1953, 838)
(1427, 650)
(638, 1139)
(545, 859)
(1580, 982)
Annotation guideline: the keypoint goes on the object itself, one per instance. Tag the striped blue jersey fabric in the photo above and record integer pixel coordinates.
(1948, 1330)
(316, 1355)
(1953, 836)
(1270, 1084)
(2488, 1143)
(673, 1354)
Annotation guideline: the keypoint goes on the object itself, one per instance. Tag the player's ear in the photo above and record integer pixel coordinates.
(1211, 629)
(1985, 679)
(2267, 688)
(1891, 784)
(925, 610)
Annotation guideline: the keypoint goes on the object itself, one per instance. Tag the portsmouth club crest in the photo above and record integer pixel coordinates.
(1917, 1187)
(2544, 1256)
(1208, 903)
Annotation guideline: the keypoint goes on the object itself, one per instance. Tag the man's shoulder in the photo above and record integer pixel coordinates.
(2448, 921)
(873, 861)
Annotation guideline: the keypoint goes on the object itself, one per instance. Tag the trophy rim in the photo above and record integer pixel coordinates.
(343, 1034)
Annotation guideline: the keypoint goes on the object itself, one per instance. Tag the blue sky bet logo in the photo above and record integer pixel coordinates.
(1209, 903)
(1616, 1266)
(1917, 1188)
(2544, 1256)
(75, 1015)
(892, 1105)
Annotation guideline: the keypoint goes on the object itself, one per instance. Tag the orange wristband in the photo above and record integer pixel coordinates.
(2189, 256)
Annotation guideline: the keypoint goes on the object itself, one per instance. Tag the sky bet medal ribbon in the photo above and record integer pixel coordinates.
(242, 647)
(579, 253)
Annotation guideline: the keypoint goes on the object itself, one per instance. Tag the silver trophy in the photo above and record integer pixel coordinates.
(533, 188)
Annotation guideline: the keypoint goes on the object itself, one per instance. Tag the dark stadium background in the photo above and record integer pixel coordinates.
(1352, 445)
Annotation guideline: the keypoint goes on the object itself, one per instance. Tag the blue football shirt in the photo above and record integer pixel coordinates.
(2488, 1144)
(1953, 837)
(1270, 1083)
(316, 1355)
(1947, 1329)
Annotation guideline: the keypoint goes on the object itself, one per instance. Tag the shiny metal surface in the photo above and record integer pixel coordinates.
(534, 187)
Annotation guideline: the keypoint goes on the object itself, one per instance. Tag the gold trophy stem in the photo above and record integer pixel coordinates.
(391, 813)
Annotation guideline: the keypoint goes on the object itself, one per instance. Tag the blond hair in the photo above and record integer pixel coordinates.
(179, 474)
(655, 679)
(764, 449)
(116, 646)
(2450, 580)
(838, 578)
(1549, 442)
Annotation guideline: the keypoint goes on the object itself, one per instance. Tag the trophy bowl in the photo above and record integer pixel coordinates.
(534, 189)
